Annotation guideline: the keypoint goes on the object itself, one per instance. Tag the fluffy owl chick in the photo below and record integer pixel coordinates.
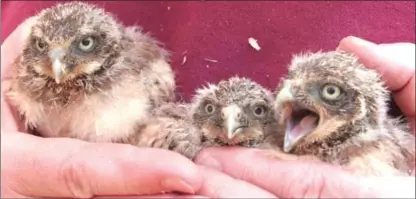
(236, 111)
(82, 74)
(335, 109)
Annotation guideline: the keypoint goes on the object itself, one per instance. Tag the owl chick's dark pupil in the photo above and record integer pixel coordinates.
(85, 42)
(40, 44)
(209, 108)
(331, 90)
(258, 111)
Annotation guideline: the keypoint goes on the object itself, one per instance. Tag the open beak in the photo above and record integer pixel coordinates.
(58, 67)
(232, 115)
(299, 122)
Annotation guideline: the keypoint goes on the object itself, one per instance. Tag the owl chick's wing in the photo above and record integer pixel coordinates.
(404, 140)
(170, 129)
(389, 153)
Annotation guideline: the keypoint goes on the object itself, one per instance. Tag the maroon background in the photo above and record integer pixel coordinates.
(219, 30)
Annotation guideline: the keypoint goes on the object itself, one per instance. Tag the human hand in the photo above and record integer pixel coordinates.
(396, 64)
(302, 179)
(62, 167)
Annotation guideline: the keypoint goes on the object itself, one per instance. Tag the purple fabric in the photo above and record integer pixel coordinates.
(220, 30)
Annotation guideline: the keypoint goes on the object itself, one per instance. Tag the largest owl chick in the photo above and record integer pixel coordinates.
(82, 74)
(236, 112)
(334, 108)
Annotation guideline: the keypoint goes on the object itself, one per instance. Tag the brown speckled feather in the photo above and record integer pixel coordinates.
(171, 129)
(108, 92)
(353, 128)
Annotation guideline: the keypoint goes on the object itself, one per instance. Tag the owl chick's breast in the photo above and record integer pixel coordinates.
(127, 76)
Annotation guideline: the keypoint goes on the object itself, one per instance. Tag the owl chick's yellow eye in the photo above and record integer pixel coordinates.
(331, 92)
(40, 45)
(87, 44)
(209, 108)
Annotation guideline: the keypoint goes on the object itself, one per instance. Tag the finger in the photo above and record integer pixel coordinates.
(10, 49)
(405, 100)
(8, 123)
(13, 44)
(156, 196)
(63, 167)
(287, 179)
(220, 185)
(396, 64)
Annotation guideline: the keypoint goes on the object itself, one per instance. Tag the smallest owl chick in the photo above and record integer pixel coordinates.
(335, 109)
(235, 112)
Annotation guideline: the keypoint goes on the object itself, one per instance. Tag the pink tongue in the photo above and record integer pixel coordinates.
(304, 127)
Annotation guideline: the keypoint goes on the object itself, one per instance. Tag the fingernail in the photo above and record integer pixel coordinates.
(177, 184)
(210, 162)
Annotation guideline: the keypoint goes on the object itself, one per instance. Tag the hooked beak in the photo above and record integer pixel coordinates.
(285, 96)
(58, 67)
(231, 116)
(298, 121)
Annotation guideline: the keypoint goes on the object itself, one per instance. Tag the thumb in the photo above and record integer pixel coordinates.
(396, 64)
(13, 45)
(289, 179)
(63, 167)
(10, 49)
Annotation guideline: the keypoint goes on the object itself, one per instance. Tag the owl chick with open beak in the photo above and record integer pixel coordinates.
(235, 112)
(333, 108)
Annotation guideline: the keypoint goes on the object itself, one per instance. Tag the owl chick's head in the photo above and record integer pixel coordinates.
(324, 93)
(234, 111)
(71, 39)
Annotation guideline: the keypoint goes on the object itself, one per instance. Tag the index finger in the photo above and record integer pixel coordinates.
(63, 167)
(10, 49)
(286, 179)
(220, 185)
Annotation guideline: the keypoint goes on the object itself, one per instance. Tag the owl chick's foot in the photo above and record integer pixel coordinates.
(186, 141)
(172, 134)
